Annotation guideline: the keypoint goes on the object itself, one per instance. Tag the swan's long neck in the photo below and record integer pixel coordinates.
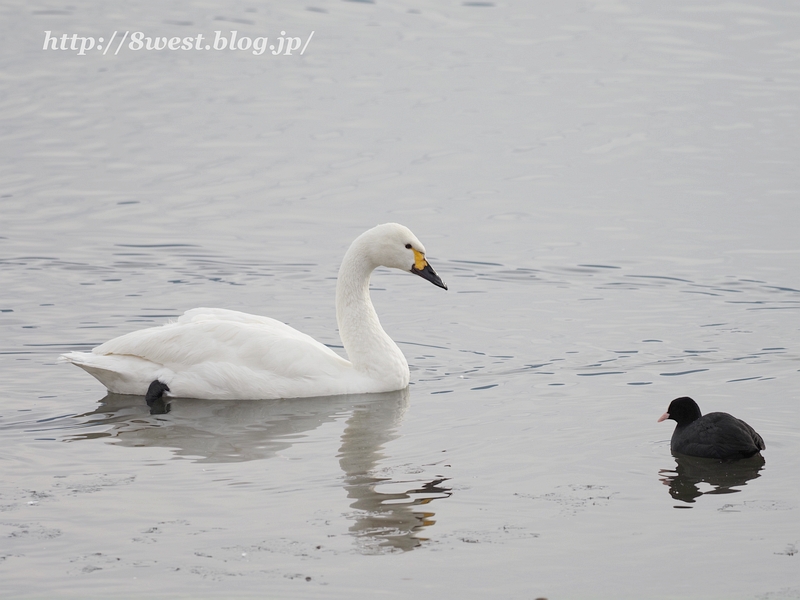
(368, 347)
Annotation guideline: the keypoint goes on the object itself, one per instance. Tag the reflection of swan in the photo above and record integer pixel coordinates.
(723, 476)
(207, 430)
(220, 354)
(243, 430)
(388, 520)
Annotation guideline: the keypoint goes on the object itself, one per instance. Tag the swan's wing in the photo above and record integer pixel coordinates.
(218, 335)
(223, 315)
(215, 353)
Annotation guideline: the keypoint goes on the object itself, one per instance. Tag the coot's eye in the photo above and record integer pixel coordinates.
(408, 246)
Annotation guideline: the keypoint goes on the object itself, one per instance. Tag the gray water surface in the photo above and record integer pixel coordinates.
(610, 190)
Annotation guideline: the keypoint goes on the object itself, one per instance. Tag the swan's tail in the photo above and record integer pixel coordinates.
(121, 374)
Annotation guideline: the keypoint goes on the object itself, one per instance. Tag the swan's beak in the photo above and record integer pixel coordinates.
(424, 270)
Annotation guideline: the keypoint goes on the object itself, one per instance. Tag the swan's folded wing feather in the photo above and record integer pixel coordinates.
(218, 336)
(223, 314)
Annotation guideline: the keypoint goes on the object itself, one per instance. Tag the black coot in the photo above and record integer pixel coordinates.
(715, 435)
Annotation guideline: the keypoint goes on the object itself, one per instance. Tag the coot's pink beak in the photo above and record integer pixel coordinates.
(663, 417)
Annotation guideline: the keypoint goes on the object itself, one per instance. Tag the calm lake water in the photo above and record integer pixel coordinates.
(610, 190)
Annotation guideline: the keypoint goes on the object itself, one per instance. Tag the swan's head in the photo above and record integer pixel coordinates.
(393, 245)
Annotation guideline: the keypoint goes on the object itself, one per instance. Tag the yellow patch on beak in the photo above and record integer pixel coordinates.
(419, 260)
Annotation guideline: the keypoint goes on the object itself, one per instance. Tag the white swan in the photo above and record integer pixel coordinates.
(214, 353)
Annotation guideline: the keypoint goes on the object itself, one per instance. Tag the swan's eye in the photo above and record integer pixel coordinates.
(408, 246)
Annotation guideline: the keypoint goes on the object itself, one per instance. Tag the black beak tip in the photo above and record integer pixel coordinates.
(428, 273)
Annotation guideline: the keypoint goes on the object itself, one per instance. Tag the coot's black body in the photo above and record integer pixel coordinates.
(715, 435)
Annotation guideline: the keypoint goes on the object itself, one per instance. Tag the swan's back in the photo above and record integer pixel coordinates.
(216, 334)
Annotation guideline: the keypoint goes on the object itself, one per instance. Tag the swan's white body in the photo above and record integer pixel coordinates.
(215, 353)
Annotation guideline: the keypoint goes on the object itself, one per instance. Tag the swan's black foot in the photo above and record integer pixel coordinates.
(155, 392)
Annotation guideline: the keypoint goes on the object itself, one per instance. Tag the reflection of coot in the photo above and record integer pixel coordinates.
(715, 435)
(723, 476)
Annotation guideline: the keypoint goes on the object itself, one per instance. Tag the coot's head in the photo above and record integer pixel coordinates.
(682, 410)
